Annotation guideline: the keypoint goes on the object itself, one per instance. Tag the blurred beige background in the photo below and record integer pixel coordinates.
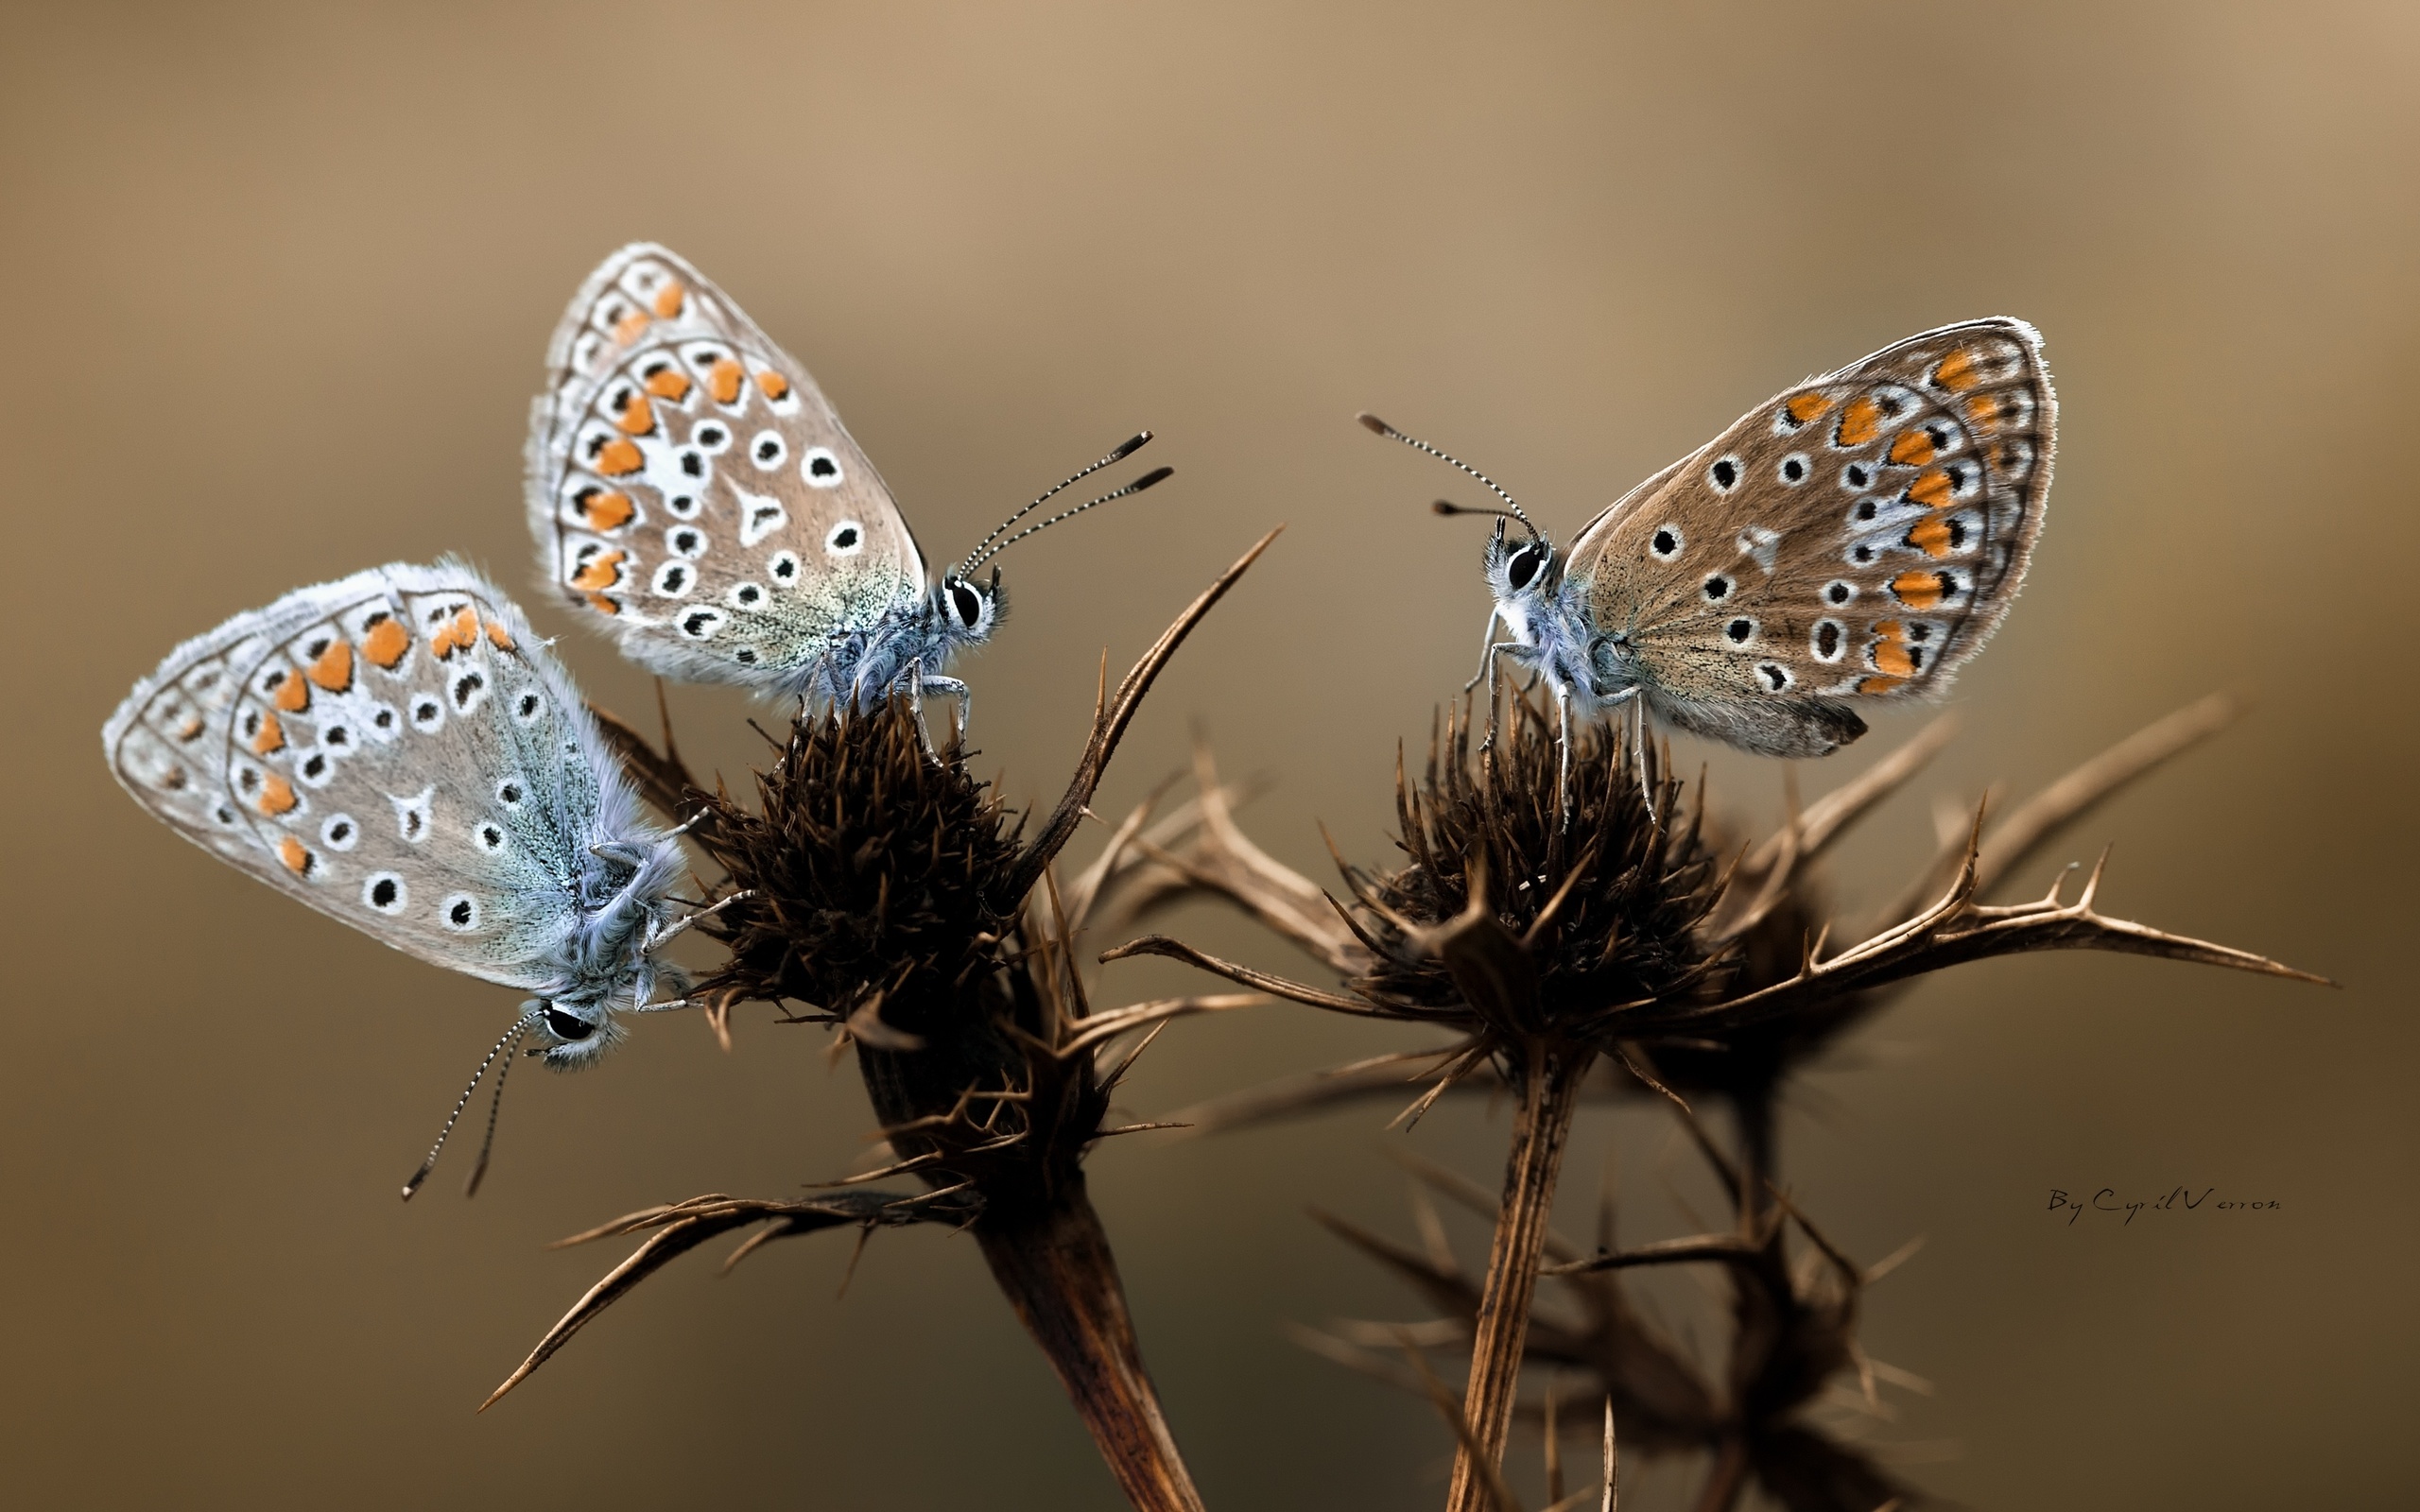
(280, 279)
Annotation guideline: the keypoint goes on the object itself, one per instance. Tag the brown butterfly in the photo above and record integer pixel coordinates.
(1849, 541)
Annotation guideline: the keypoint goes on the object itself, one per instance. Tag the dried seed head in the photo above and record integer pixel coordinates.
(1602, 913)
(874, 867)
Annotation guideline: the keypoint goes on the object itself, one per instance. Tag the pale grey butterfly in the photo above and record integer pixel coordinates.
(1851, 541)
(689, 484)
(397, 749)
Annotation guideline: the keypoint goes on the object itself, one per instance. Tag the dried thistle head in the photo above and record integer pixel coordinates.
(1605, 910)
(874, 871)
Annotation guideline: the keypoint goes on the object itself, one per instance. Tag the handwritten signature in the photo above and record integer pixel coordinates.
(2177, 1199)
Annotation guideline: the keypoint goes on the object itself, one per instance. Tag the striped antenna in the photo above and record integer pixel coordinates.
(1514, 507)
(1156, 475)
(511, 1036)
(979, 555)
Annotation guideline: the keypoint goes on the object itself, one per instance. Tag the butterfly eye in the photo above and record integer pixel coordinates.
(968, 603)
(1525, 566)
(564, 1027)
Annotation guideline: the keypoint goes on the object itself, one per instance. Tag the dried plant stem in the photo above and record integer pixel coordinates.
(1550, 1095)
(1053, 1262)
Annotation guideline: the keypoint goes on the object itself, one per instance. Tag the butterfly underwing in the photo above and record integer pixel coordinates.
(692, 488)
(1849, 543)
(398, 750)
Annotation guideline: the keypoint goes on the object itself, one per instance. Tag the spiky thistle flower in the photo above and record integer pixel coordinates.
(889, 891)
(1634, 934)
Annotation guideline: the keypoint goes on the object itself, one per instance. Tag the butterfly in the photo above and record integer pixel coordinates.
(689, 485)
(1849, 543)
(398, 750)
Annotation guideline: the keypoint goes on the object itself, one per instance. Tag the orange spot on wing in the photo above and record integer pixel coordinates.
(1803, 407)
(499, 637)
(1879, 684)
(627, 329)
(1861, 422)
(1890, 650)
(459, 633)
(295, 855)
(603, 604)
(270, 737)
(1931, 536)
(1931, 489)
(618, 458)
(1917, 590)
(333, 669)
(386, 643)
(603, 571)
(722, 381)
(277, 796)
(191, 728)
(776, 388)
(671, 384)
(667, 299)
(638, 416)
(293, 695)
(1957, 371)
(1912, 449)
(607, 511)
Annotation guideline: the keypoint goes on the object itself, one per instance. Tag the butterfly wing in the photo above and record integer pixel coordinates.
(690, 485)
(1855, 538)
(396, 749)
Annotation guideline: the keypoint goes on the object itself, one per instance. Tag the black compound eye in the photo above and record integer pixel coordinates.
(1525, 566)
(968, 603)
(565, 1027)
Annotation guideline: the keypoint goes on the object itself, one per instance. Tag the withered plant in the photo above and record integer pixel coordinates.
(1636, 947)
(883, 889)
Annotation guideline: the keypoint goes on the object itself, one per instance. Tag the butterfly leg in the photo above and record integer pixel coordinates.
(1495, 651)
(1563, 754)
(1487, 649)
(950, 687)
(657, 938)
(1639, 753)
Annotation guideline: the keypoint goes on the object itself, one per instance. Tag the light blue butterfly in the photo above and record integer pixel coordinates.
(693, 493)
(399, 750)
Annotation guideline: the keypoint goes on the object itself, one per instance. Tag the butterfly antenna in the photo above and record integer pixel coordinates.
(1450, 507)
(487, 1142)
(511, 1036)
(1513, 506)
(1125, 449)
(1157, 476)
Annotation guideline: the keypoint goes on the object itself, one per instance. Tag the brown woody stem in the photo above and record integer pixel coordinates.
(1053, 1261)
(1549, 1094)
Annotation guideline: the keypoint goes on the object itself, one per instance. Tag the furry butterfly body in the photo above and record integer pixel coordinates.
(692, 489)
(1847, 544)
(398, 750)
